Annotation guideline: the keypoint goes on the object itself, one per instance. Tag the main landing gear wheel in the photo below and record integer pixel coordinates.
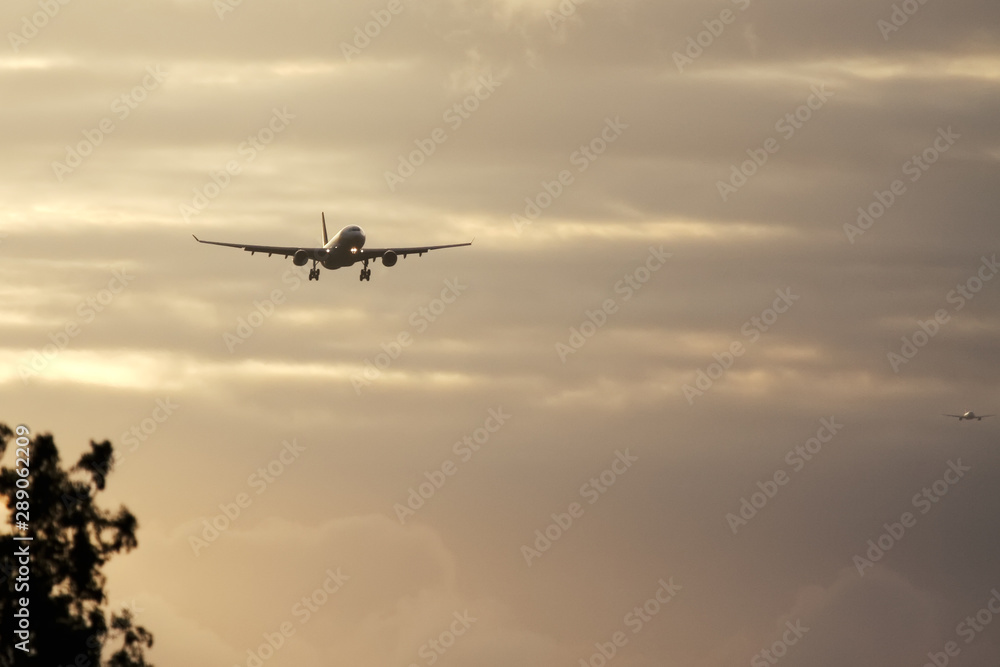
(313, 274)
(366, 273)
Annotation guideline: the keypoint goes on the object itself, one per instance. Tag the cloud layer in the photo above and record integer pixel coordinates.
(703, 233)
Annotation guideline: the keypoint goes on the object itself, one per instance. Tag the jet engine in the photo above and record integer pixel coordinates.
(300, 258)
(389, 258)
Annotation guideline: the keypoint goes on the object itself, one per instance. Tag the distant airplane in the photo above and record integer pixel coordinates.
(344, 249)
(969, 415)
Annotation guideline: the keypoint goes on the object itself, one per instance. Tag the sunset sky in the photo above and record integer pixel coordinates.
(680, 402)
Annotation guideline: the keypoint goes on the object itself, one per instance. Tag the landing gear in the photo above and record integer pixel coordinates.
(366, 273)
(314, 272)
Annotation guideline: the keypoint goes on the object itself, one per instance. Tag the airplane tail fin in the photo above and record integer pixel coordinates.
(326, 239)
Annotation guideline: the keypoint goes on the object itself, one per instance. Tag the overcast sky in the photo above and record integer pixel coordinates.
(680, 402)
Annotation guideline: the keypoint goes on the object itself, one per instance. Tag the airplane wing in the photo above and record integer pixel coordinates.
(959, 416)
(981, 416)
(374, 253)
(269, 249)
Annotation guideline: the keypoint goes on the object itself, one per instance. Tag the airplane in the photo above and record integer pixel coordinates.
(344, 249)
(969, 415)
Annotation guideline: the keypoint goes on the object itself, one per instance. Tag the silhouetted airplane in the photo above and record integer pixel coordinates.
(344, 249)
(969, 415)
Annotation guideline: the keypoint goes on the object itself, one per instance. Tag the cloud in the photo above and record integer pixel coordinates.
(746, 167)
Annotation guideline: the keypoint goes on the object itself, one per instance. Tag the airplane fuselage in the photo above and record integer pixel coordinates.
(342, 249)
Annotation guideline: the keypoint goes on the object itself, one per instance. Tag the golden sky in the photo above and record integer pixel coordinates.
(679, 403)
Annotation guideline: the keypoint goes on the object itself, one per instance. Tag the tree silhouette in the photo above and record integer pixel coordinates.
(72, 541)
